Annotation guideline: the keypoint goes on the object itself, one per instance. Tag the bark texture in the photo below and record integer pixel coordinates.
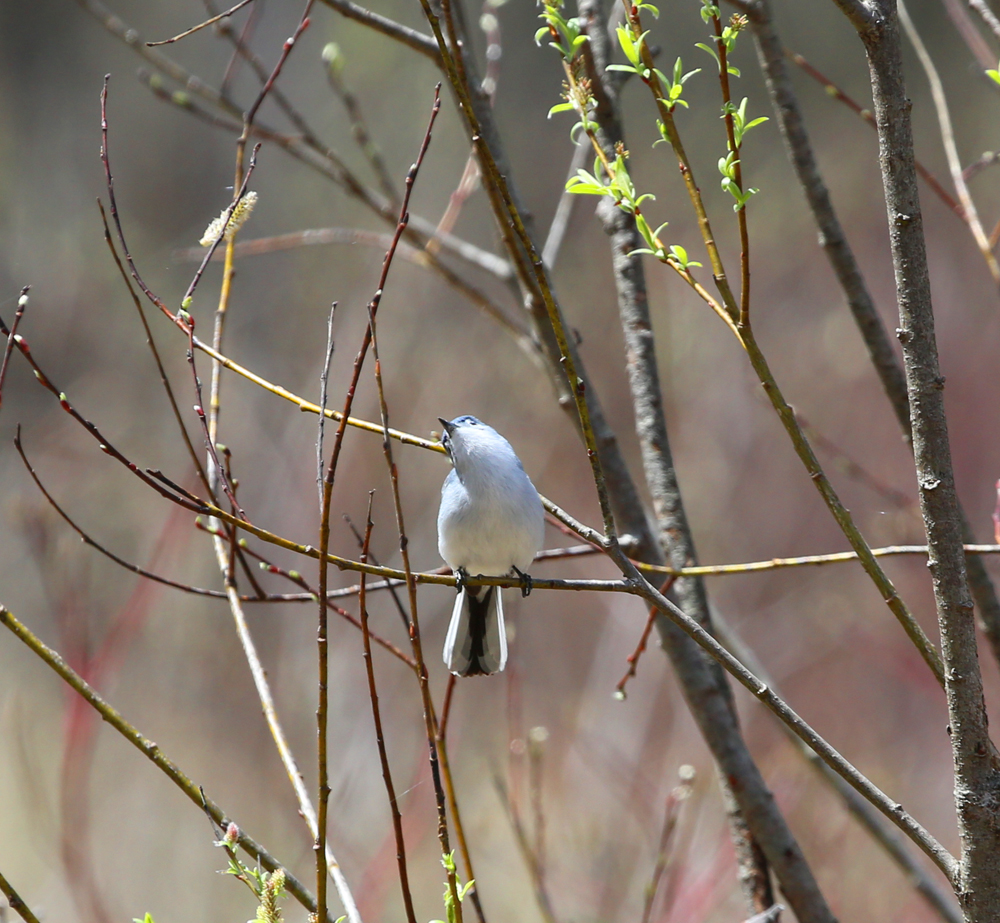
(977, 782)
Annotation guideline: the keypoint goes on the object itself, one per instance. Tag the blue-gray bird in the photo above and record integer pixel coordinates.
(491, 523)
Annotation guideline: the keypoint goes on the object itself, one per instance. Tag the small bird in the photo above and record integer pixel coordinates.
(491, 524)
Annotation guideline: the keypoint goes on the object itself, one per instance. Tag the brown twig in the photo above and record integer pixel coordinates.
(415, 641)
(400, 608)
(838, 94)
(17, 903)
(948, 142)
(633, 659)
(200, 26)
(22, 303)
(880, 350)
(671, 815)
(449, 693)
(423, 44)
(397, 820)
(524, 846)
(334, 60)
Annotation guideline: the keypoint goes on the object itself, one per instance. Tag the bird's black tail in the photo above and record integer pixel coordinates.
(476, 644)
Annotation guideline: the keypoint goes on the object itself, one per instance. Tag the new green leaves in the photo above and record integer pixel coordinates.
(449, 902)
(564, 34)
(740, 124)
(727, 167)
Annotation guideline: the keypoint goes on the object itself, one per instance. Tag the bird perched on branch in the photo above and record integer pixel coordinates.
(491, 524)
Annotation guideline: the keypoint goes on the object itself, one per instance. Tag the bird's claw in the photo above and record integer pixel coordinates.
(461, 578)
(526, 582)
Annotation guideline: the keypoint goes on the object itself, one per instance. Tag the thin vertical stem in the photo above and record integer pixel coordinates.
(397, 820)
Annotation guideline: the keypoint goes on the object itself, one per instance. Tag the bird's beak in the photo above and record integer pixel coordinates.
(447, 426)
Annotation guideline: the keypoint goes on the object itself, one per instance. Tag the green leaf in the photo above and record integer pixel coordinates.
(710, 51)
(540, 34)
(466, 889)
(994, 75)
(587, 189)
(735, 71)
(561, 107)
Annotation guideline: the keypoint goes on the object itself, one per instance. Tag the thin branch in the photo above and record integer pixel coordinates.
(200, 26)
(675, 800)
(418, 41)
(334, 60)
(323, 384)
(885, 835)
(397, 820)
(164, 380)
(973, 38)
(809, 560)
(976, 772)
(989, 17)
(131, 37)
(22, 303)
(841, 257)
(564, 210)
(153, 752)
(865, 114)
(17, 904)
(948, 141)
(524, 846)
(415, 639)
(633, 659)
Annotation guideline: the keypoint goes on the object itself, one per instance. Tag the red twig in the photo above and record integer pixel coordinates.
(186, 500)
(446, 705)
(633, 658)
(833, 90)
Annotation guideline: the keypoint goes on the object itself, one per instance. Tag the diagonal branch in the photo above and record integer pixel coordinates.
(976, 775)
(152, 751)
(839, 253)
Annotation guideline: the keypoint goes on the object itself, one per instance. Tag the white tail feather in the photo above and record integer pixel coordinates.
(459, 654)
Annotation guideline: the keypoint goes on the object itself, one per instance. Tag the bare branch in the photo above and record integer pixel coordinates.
(418, 41)
(976, 774)
(152, 751)
(948, 140)
(17, 904)
(201, 25)
(989, 17)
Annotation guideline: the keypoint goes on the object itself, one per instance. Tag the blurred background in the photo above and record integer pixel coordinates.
(90, 831)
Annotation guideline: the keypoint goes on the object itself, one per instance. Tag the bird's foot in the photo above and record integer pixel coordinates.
(526, 582)
(461, 578)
